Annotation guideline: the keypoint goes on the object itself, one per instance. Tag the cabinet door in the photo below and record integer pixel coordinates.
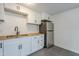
(1, 48)
(25, 46)
(11, 47)
(37, 18)
(1, 12)
(35, 42)
(31, 17)
(41, 41)
(34, 18)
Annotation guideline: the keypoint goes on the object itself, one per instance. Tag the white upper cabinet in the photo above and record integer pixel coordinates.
(34, 18)
(31, 17)
(38, 18)
(1, 12)
(1, 48)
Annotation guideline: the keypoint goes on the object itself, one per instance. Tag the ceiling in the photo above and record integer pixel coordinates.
(52, 8)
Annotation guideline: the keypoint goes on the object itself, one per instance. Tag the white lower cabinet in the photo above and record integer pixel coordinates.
(1, 48)
(21, 46)
(41, 41)
(25, 46)
(11, 47)
(17, 47)
(35, 44)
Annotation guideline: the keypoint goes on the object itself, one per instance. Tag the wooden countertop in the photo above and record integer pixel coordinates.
(21, 35)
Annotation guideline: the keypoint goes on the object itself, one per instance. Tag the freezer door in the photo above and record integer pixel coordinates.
(50, 38)
(50, 26)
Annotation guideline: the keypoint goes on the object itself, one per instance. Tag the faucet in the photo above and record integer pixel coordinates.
(16, 30)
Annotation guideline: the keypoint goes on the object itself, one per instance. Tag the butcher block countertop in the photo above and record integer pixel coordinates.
(21, 35)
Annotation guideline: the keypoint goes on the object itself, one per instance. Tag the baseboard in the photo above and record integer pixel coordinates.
(67, 49)
(48, 47)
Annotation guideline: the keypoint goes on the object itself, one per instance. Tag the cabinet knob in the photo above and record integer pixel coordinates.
(19, 47)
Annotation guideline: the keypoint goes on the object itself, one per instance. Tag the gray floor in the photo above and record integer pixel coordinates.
(54, 51)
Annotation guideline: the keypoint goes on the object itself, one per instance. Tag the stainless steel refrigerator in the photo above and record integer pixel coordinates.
(47, 27)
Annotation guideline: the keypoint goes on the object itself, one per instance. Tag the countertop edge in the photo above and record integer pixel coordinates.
(19, 36)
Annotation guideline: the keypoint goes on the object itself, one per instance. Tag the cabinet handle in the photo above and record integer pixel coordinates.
(19, 47)
(0, 45)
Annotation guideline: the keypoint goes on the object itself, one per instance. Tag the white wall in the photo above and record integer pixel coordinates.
(12, 20)
(66, 26)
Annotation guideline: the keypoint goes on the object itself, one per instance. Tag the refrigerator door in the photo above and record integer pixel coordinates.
(50, 26)
(50, 38)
